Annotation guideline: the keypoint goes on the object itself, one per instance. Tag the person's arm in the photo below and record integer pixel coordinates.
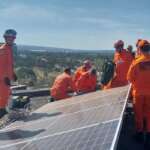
(132, 73)
(76, 75)
(10, 65)
(72, 87)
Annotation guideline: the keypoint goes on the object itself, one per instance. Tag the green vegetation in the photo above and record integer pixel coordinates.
(39, 69)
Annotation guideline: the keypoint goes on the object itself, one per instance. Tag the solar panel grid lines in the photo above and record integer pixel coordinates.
(116, 137)
(70, 107)
(82, 99)
(84, 110)
(90, 124)
(82, 139)
(67, 127)
(47, 136)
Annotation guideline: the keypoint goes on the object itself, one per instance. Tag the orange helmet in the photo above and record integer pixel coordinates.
(144, 45)
(137, 43)
(119, 43)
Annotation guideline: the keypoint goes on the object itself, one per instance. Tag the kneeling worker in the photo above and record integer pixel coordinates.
(87, 82)
(139, 76)
(87, 65)
(63, 84)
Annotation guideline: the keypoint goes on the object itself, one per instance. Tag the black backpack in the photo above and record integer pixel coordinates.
(108, 69)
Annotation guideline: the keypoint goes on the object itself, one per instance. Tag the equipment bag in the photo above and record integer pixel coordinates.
(108, 70)
(19, 101)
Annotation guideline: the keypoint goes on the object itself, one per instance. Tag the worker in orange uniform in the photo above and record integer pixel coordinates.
(87, 82)
(6, 69)
(84, 68)
(139, 76)
(130, 49)
(122, 60)
(138, 49)
(63, 84)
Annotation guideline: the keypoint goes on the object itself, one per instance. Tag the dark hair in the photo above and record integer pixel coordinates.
(67, 70)
(145, 48)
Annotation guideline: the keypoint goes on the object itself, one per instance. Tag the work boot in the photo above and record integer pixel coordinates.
(147, 141)
(139, 137)
(2, 112)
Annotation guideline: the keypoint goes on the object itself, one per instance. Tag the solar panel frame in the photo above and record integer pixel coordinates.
(116, 137)
(79, 102)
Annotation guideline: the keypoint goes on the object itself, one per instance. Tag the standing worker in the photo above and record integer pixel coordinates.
(122, 60)
(63, 85)
(138, 52)
(130, 49)
(139, 76)
(6, 69)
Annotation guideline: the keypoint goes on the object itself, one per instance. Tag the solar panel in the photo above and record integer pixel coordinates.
(87, 122)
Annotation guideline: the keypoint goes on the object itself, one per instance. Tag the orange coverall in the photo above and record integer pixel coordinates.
(81, 70)
(139, 76)
(6, 70)
(123, 61)
(86, 83)
(62, 85)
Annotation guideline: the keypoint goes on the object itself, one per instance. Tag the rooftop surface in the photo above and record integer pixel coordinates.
(87, 122)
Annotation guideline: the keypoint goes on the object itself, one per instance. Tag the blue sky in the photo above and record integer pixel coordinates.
(78, 24)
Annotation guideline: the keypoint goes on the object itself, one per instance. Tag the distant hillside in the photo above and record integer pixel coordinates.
(54, 49)
(41, 48)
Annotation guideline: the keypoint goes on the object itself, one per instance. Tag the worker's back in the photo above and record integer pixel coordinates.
(81, 70)
(141, 75)
(86, 83)
(61, 86)
(123, 61)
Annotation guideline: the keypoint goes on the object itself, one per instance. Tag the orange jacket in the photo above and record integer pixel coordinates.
(6, 62)
(123, 61)
(81, 70)
(139, 75)
(62, 85)
(6, 70)
(86, 83)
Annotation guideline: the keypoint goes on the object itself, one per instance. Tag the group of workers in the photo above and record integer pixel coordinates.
(130, 67)
(84, 80)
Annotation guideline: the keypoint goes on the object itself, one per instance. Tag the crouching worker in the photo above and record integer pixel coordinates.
(63, 85)
(87, 82)
(87, 65)
(6, 69)
(139, 76)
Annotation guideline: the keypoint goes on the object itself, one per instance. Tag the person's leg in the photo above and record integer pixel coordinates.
(147, 117)
(139, 117)
(4, 97)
